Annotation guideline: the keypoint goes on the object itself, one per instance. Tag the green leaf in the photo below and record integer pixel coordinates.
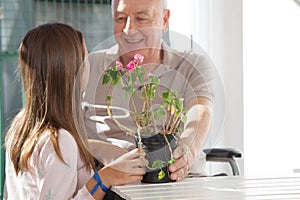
(132, 91)
(164, 104)
(141, 74)
(154, 80)
(165, 95)
(171, 161)
(143, 70)
(152, 94)
(116, 82)
(113, 74)
(132, 77)
(180, 130)
(184, 111)
(141, 78)
(147, 89)
(108, 98)
(175, 93)
(161, 175)
(184, 119)
(158, 164)
(127, 89)
(159, 113)
(106, 79)
(178, 105)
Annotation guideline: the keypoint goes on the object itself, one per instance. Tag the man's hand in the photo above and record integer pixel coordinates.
(192, 139)
(183, 161)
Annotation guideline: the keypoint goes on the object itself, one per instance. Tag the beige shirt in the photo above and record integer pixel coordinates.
(189, 73)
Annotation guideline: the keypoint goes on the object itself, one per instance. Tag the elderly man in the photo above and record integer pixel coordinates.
(138, 28)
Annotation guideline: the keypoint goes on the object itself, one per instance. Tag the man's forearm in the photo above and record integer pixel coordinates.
(197, 127)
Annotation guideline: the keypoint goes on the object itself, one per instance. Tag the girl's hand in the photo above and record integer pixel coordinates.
(125, 169)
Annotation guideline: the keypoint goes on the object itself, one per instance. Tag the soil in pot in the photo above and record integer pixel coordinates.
(156, 148)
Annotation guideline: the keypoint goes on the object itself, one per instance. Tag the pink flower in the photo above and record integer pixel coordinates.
(138, 58)
(130, 65)
(119, 65)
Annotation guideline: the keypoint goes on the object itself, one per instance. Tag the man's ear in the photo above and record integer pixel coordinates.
(166, 19)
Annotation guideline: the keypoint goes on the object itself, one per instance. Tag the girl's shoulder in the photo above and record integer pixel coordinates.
(45, 148)
(64, 138)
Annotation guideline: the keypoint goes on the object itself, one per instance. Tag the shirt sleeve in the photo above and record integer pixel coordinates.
(201, 76)
(56, 179)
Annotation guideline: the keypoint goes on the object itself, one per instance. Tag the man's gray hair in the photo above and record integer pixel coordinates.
(163, 2)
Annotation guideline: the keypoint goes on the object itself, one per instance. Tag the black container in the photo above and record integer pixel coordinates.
(156, 148)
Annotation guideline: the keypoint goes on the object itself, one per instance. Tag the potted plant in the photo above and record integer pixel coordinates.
(157, 143)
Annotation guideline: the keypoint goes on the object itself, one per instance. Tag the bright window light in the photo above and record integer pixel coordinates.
(271, 86)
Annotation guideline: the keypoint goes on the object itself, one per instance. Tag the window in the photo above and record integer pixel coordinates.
(92, 17)
(271, 77)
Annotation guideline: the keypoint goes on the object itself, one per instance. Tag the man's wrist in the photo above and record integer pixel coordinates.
(189, 148)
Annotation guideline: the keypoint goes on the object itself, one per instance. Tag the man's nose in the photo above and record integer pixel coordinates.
(130, 27)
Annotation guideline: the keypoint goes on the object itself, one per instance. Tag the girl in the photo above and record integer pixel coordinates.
(47, 154)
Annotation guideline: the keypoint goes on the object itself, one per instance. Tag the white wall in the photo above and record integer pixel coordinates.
(272, 97)
(216, 25)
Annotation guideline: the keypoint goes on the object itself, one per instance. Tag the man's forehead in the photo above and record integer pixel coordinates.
(136, 6)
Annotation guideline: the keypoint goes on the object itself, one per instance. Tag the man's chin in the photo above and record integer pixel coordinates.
(132, 51)
(130, 54)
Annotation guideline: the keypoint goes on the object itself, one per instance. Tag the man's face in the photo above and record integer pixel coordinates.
(138, 26)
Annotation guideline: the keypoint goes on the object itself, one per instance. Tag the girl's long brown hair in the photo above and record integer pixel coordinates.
(51, 57)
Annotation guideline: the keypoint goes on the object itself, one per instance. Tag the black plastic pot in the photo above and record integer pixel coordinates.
(156, 148)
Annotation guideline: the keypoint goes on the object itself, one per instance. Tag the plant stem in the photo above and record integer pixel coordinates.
(108, 93)
(147, 107)
(135, 112)
(169, 146)
(154, 123)
(133, 105)
(175, 123)
(141, 147)
(140, 141)
(143, 111)
(170, 120)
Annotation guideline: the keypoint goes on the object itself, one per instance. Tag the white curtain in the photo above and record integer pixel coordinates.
(272, 98)
(216, 26)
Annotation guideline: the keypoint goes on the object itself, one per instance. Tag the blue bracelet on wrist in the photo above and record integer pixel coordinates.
(99, 183)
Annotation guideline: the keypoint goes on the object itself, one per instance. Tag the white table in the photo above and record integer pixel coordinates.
(216, 188)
